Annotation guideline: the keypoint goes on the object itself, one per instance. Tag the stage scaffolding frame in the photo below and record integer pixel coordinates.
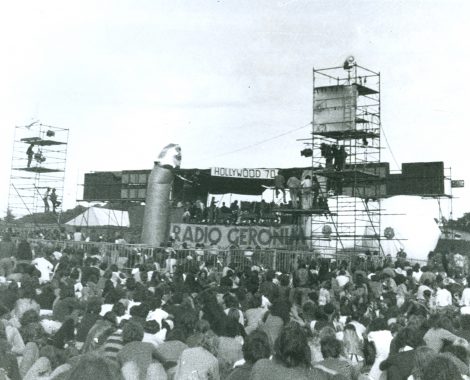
(347, 116)
(29, 181)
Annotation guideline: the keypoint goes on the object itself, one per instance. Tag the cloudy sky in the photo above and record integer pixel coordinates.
(220, 77)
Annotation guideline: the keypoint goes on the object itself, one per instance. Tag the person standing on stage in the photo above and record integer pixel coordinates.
(46, 200)
(340, 158)
(279, 185)
(30, 154)
(293, 183)
(315, 190)
(212, 211)
(307, 193)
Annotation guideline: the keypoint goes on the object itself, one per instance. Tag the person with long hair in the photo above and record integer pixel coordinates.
(8, 362)
(441, 368)
(201, 361)
(368, 362)
(255, 347)
(381, 337)
(439, 332)
(90, 365)
(212, 311)
(135, 350)
(277, 316)
(291, 358)
(26, 301)
(230, 345)
(352, 344)
(331, 349)
(422, 357)
(399, 364)
(254, 314)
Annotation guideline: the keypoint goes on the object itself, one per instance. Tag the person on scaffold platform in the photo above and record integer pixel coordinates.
(30, 154)
(54, 201)
(45, 199)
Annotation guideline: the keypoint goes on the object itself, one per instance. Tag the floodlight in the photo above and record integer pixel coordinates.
(349, 63)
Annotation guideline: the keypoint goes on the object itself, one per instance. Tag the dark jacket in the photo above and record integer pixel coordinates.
(24, 251)
(399, 366)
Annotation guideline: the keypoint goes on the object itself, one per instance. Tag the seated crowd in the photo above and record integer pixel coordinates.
(69, 315)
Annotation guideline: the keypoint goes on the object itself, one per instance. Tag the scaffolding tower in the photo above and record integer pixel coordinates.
(37, 168)
(345, 149)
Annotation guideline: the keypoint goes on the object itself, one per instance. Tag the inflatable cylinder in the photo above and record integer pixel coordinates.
(156, 223)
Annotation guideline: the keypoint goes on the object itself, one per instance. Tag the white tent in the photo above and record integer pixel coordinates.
(100, 217)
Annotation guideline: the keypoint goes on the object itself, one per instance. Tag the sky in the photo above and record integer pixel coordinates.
(220, 77)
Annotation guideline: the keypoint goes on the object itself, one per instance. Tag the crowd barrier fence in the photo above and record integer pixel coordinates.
(126, 256)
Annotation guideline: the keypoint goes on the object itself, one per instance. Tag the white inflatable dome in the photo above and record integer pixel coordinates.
(413, 220)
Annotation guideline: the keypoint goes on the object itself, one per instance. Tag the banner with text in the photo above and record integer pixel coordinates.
(243, 236)
(248, 173)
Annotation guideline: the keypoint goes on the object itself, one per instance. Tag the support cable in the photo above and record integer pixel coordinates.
(264, 141)
(389, 147)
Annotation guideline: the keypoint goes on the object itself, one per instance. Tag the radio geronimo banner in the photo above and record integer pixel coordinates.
(243, 236)
(244, 173)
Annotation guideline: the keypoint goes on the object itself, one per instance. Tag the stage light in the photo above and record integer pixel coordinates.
(306, 152)
(389, 233)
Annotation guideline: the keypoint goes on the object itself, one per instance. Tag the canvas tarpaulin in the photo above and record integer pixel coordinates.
(100, 217)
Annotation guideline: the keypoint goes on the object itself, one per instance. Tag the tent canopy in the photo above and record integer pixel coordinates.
(100, 217)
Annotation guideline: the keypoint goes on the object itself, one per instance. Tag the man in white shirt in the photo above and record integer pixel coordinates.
(381, 340)
(416, 273)
(459, 263)
(443, 297)
(77, 235)
(307, 193)
(294, 185)
(151, 329)
(157, 315)
(45, 267)
(45, 198)
(465, 299)
(170, 262)
(342, 278)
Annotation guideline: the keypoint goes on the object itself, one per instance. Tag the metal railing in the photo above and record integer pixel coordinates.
(127, 256)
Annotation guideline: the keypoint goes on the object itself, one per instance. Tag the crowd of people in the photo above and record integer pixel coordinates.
(335, 156)
(256, 213)
(72, 315)
(86, 234)
(260, 213)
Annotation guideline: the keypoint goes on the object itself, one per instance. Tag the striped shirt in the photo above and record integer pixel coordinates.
(113, 345)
